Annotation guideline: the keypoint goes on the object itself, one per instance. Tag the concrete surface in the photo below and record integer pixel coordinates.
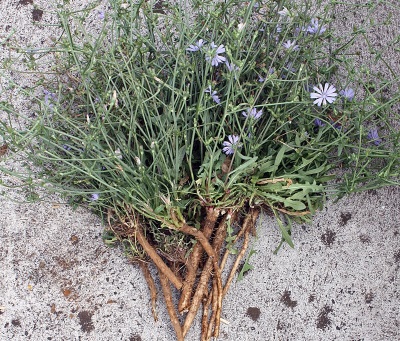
(58, 281)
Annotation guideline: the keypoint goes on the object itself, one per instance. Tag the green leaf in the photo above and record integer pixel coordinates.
(280, 155)
(317, 170)
(266, 165)
(246, 266)
(296, 205)
(242, 168)
(159, 209)
(299, 195)
(285, 232)
(180, 156)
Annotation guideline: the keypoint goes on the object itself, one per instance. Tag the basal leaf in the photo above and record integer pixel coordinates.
(296, 205)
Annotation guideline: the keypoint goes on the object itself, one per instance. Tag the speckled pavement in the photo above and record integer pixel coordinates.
(58, 281)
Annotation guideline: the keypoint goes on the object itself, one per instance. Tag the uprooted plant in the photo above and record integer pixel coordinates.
(179, 129)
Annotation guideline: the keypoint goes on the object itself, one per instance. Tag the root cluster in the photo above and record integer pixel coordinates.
(198, 279)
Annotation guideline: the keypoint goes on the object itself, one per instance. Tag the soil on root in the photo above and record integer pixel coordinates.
(208, 258)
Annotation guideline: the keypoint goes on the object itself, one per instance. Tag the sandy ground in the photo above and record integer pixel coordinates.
(58, 281)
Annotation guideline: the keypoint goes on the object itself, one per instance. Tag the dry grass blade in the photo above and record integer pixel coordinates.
(290, 213)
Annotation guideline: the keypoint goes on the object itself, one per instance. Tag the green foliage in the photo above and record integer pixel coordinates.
(128, 118)
(246, 266)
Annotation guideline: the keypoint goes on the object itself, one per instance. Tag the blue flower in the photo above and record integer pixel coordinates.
(231, 145)
(315, 28)
(94, 196)
(270, 71)
(287, 70)
(214, 56)
(197, 46)
(213, 94)
(291, 45)
(231, 67)
(100, 15)
(252, 113)
(324, 94)
(284, 12)
(49, 97)
(347, 93)
(374, 137)
(319, 123)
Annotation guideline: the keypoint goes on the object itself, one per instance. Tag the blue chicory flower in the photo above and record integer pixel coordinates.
(289, 68)
(94, 196)
(197, 46)
(291, 45)
(324, 94)
(315, 28)
(231, 67)
(347, 93)
(374, 137)
(213, 94)
(284, 12)
(48, 97)
(270, 71)
(229, 146)
(214, 56)
(252, 113)
(319, 123)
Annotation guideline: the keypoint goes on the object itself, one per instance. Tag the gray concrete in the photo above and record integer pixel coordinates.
(58, 281)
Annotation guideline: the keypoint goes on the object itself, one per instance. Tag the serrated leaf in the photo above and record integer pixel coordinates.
(266, 165)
